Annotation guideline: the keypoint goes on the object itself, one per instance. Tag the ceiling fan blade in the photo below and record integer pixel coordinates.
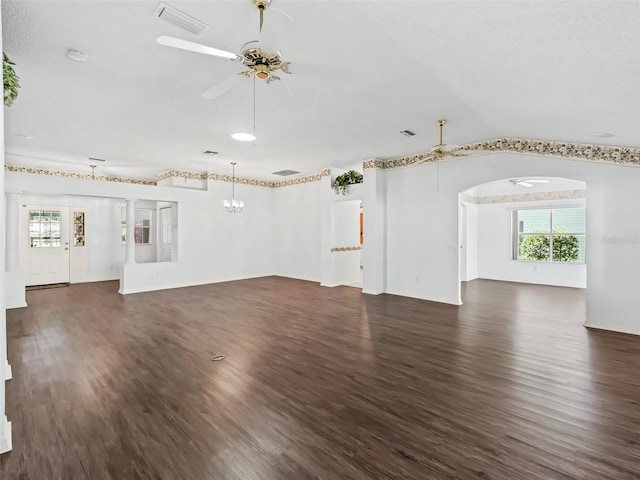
(196, 47)
(525, 184)
(538, 181)
(222, 87)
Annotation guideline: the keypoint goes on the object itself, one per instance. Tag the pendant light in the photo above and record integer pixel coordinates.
(233, 205)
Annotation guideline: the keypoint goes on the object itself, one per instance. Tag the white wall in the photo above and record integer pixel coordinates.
(103, 253)
(5, 426)
(495, 248)
(422, 231)
(296, 225)
(470, 250)
(213, 246)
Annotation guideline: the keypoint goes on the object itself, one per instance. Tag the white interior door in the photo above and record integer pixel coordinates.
(44, 244)
(165, 235)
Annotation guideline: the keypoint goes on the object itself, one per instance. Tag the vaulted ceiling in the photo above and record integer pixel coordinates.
(362, 71)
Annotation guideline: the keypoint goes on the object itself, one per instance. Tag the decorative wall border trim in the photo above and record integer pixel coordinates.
(172, 174)
(82, 176)
(181, 174)
(374, 163)
(346, 249)
(629, 156)
(524, 197)
(573, 151)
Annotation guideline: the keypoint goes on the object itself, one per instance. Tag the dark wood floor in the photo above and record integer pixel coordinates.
(508, 386)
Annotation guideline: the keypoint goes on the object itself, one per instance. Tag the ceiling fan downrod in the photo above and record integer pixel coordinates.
(262, 6)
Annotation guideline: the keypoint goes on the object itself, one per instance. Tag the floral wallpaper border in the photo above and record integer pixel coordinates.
(546, 148)
(82, 176)
(524, 197)
(171, 174)
(346, 249)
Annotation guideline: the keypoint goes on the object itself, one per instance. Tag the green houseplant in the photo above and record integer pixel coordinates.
(342, 182)
(11, 80)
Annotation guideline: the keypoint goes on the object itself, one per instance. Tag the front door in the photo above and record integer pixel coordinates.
(44, 244)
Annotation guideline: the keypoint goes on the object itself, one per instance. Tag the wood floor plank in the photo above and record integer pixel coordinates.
(318, 383)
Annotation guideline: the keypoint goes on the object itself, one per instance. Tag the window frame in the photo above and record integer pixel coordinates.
(515, 234)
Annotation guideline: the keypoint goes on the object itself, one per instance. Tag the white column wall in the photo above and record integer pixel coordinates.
(15, 283)
(5, 426)
(374, 252)
(130, 243)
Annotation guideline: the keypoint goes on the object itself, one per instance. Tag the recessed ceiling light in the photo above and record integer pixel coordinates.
(243, 137)
(77, 55)
(605, 135)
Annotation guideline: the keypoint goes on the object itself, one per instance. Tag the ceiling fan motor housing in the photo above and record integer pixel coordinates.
(261, 4)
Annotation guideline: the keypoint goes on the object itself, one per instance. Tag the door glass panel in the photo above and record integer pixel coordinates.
(44, 228)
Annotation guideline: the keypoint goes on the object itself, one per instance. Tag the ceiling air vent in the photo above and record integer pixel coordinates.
(180, 19)
(407, 133)
(285, 173)
(210, 152)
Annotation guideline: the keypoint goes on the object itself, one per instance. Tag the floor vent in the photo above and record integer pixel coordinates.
(180, 19)
(285, 173)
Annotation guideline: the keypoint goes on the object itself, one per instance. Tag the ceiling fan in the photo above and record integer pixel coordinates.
(527, 183)
(442, 150)
(258, 63)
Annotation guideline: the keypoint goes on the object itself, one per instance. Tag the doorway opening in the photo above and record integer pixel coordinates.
(525, 230)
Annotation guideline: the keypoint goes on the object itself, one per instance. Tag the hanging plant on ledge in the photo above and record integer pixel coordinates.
(342, 182)
(11, 80)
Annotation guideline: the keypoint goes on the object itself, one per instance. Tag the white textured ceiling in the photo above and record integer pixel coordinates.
(557, 70)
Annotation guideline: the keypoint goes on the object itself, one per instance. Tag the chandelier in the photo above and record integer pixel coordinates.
(233, 205)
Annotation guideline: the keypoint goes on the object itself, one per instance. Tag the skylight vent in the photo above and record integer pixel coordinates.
(285, 173)
(408, 133)
(180, 19)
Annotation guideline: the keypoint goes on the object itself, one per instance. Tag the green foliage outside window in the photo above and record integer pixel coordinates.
(566, 248)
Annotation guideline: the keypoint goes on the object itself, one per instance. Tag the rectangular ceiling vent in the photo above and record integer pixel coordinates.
(210, 152)
(180, 19)
(407, 133)
(285, 173)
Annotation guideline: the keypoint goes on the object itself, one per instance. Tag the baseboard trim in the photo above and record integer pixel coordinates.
(184, 285)
(455, 302)
(372, 292)
(9, 307)
(613, 329)
(94, 279)
(8, 373)
(5, 442)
